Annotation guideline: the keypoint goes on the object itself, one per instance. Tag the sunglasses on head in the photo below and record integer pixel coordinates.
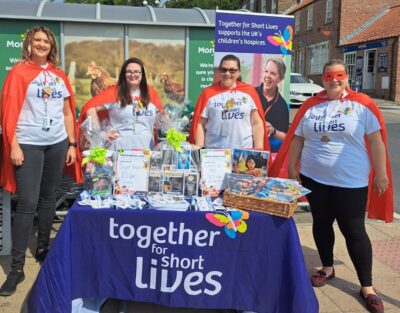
(330, 76)
(230, 70)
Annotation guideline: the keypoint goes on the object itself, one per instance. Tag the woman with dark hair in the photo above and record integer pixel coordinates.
(228, 114)
(131, 107)
(38, 122)
(339, 139)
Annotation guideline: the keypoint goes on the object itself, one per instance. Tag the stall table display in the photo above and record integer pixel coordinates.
(176, 259)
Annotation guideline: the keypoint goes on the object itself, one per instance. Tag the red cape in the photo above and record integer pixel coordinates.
(110, 95)
(217, 89)
(12, 99)
(378, 207)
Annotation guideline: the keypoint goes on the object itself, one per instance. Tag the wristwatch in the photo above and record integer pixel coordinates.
(273, 132)
(72, 144)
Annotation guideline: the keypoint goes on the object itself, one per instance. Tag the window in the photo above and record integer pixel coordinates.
(293, 63)
(297, 23)
(328, 14)
(150, 44)
(263, 6)
(96, 51)
(309, 18)
(273, 7)
(300, 62)
(318, 55)
(350, 60)
(251, 5)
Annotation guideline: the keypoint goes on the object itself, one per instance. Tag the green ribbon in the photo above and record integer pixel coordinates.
(174, 138)
(97, 155)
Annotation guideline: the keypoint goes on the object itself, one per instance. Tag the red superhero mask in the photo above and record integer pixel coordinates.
(338, 75)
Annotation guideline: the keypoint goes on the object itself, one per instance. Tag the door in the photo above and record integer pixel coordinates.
(369, 69)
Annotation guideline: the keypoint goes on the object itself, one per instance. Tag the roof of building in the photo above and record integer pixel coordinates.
(97, 13)
(299, 6)
(386, 26)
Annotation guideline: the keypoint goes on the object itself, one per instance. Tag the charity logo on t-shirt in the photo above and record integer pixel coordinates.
(41, 120)
(329, 121)
(231, 105)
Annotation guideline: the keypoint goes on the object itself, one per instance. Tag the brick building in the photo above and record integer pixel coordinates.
(268, 6)
(364, 33)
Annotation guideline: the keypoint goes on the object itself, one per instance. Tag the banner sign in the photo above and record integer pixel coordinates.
(382, 62)
(253, 33)
(365, 46)
(178, 259)
(201, 59)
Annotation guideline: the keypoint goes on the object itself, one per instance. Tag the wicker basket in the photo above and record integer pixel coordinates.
(251, 203)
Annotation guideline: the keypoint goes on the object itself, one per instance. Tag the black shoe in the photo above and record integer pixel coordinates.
(10, 285)
(41, 255)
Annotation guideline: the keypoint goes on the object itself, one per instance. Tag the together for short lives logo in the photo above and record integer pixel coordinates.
(169, 271)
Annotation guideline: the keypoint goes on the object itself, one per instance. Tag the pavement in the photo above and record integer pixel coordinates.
(340, 295)
(386, 104)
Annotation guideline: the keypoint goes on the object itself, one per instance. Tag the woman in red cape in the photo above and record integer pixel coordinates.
(130, 106)
(223, 101)
(339, 137)
(38, 123)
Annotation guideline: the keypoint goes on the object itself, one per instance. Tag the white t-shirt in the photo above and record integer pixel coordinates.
(30, 123)
(228, 120)
(136, 128)
(342, 160)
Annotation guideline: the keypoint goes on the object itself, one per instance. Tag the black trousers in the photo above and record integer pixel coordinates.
(37, 180)
(347, 207)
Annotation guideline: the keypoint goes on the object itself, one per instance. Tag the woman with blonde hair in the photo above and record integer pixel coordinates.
(38, 122)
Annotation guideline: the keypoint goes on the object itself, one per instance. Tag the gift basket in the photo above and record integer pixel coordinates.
(275, 196)
(262, 205)
(174, 162)
(98, 162)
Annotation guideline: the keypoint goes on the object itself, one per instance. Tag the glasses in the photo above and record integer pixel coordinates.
(230, 70)
(129, 73)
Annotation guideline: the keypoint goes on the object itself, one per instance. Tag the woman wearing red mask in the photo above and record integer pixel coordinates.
(339, 139)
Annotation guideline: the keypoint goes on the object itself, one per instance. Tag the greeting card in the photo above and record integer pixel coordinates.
(215, 164)
(132, 171)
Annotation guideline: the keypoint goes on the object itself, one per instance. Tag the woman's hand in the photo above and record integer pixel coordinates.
(270, 129)
(71, 156)
(294, 173)
(378, 153)
(17, 155)
(111, 135)
(293, 157)
(381, 183)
